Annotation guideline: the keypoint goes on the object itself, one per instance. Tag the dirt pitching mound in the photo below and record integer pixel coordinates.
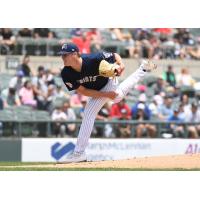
(190, 162)
(164, 162)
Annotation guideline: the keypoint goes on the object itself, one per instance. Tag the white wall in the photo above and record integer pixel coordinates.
(52, 149)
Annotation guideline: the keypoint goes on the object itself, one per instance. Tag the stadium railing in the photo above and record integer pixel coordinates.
(25, 127)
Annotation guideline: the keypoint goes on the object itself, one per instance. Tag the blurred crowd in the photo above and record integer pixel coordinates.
(168, 98)
(156, 43)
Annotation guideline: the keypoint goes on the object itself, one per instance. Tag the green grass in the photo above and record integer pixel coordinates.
(23, 163)
(19, 166)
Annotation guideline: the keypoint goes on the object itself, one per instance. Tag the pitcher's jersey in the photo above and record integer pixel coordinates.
(89, 76)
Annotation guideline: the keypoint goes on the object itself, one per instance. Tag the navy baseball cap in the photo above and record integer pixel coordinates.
(68, 48)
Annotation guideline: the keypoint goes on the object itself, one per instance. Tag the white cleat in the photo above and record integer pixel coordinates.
(148, 65)
(75, 158)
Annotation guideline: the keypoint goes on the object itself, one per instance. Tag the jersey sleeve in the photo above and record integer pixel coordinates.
(109, 57)
(69, 82)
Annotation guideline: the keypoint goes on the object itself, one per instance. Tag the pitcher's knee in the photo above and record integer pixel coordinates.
(90, 115)
(120, 95)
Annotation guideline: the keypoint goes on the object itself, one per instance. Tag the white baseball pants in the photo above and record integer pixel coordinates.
(95, 104)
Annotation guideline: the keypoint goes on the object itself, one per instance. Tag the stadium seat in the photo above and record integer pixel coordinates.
(188, 90)
(22, 108)
(150, 80)
(8, 126)
(106, 35)
(6, 114)
(42, 121)
(149, 93)
(134, 93)
(130, 102)
(25, 125)
(61, 32)
(4, 80)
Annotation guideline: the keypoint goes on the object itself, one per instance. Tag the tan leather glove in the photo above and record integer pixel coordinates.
(108, 70)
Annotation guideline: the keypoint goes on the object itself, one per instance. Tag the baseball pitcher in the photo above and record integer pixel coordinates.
(93, 75)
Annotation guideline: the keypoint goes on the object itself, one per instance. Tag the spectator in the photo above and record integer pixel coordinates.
(159, 98)
(185, 103)
(95, 38)
(176, 92)
(165, 31)
(142, 99)
(179, 50)
(49, 78)
(183, 36)
(176, 129)
(194, 52)
(7, 39)
(83, 43)
(77, 99)
(159, 86)
(116, 113)
(178, 36)
(51, 91)
(17, 81)
(43, 33)
(24, 67)
(155, 47)
(169, 76)
(10, 97)
(144, 35)
(60, 92)
(143, 128)
(76, 32)
(26, 95)
(152, 43)
(193, 116)
(184, 78)
(125, 38)
(141, 88)
(70, 128)
(165, 110)
(59, 117)
(124, 130)
(182, 113)
(40, 89)
(25, 32)
(153, 107)
(170, 49)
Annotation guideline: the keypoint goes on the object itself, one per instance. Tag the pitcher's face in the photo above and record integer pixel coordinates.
(69, 59)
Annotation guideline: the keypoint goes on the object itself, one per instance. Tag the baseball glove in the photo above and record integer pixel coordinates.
(108, 70)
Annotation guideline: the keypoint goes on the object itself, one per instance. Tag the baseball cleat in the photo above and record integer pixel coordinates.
(75, 158)
(148, 65)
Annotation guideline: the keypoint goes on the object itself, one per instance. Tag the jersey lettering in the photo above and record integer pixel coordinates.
(87, 79)
(94, 78)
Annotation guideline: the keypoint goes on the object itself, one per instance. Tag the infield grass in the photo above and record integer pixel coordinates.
(29, 166)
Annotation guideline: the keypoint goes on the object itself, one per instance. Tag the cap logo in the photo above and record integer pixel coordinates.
(64, 46)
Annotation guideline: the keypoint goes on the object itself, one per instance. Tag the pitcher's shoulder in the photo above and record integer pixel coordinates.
(66, 71)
